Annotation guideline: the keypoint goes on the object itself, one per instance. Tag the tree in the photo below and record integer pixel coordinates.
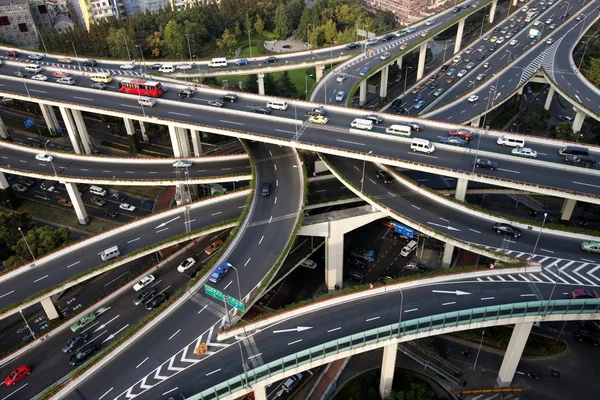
(227, 41)
(248, 24)
(9, 227)
(287, 87)
(270, 84)
(564, 131)
(40, 241)
(417, 391)
(535, 118)
(282, 27)
(120, 43)
(259, 25)
(294, 12)
(155, 43)
(174, 38)
(593, 71)
(237, 31)
(330, 31)
(251, 85)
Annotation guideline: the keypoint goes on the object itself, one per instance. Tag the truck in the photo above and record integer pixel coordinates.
(534, 34)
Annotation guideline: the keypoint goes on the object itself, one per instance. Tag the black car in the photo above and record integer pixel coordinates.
(82, 186)
(98, 85)
(118, 196)
(586, 336)
(355, 275)
(287, 46)
(156, 301)
(414, 265)
(388, 37)
(230, 97)
(155, 66)
(83, 354)
(396, 104)
(351, 46)
(26, 181)
(261, 110)
(399, 236)
(355, 262)
(486, 163)
(74, 342)
(186, 93)
(507, 229)
(373, 117)
(111, 214)
(19, 74)
(444, 68)
(456, 9)
(384, 176)
(415, 126)
(266, 189)
(216, 103)
(89, 63)
(316, 111)
(147, 204)
(580, 161)
(270, 60)
(143, 296)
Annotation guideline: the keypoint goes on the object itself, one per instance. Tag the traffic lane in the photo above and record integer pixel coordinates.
(72, 264)
(320, 191)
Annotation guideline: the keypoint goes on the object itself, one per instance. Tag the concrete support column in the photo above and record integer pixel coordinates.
(549, 98)
(196, 143)
(461, 189)
(174, 135)
(334, 256)
(129, 126)
(567, 209)
(399, 62)
(261, 84)
(518, 339)
(421, 66)
(82, 129)
(520, 90)
(319, 72)
(49, 308)
(493, 11)
(3, 131)
(260, 392)
(143, 131)
(447, 256)
(459, 35)
(388, 366)
(362, 97)
(3, 182)
(70, 125)
(514, 3)
(383, 87)
(184, 142)
(578, 121)
(476, 122)
(78, 205)
(50, 118)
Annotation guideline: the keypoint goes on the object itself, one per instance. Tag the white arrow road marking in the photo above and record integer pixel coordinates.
(456, 292)
(104, 324)
(143, 385)
(173, 368)
(450, 228)
(159, 377)
(167, 222)
(130, 395)
(111, 336)
(298, 329)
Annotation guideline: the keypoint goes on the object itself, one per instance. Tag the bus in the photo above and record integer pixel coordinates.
(530, 15)
(102, 77)
(141, 87)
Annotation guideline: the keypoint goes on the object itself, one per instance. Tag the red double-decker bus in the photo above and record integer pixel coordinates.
(141, 87)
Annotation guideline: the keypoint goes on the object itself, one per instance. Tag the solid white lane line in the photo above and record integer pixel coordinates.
(107, 392)
(254, 356)
(173, 335)
(202, 309)
(169, 391)
(448, 304)
(133, 240)
(411, 310)
(275, 199)
(585, 259)
(347, 141)
(226, 286)
(39, 279)
(547, 251)
(415, 206)
(334, 329)
(528, 295)
(487, 298)
(247, 261)
(161, 230)
(140, 364)
(6, 294)
(294, 342)
(584, 184)
(217, 213)
(74, 264)
(473, 230)
(510, 170)
(180, 114)
(371, 319)
(231, 122)
(261, 239)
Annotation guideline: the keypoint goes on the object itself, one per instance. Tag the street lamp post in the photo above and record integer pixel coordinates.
(405, 79)
(306, 86)
(249, 43)
(538, 238)
(43, 43)
(24, 81)
(479, 349)
(308, 35)
(482, 25)
(509, 56)
(518, 125)
(189, 48)
(362, 180)
(27, 325)
(75, 51)
(243, 328)
(583, 55)
(142, 55)
(445, 48)
(27, 244)
(400, 313)
(51, 161)
(126, 47)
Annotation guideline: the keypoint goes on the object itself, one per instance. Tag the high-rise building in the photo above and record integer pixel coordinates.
(97, 10)
(17, 25)
(408, 11)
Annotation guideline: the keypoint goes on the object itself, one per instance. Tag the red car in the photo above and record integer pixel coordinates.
(12, 53)
(388, 223)
(17, 375)
(60, 74)
(461, 133)
(583, 294)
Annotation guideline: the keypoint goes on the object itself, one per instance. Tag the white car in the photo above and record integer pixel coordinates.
(500, 40)
(39, 77)
(549, 21)
(182, 164)
(342, 77)
(44, 157)
(126, 207)
(473, 98)
(35, 56)
(513, 42)
(461, 73)
(187, 264)
(486, 65)
(184, 67)
(549, 41)
(145, 281)
(340, 95)
(552, 26)
(524, 152)
(385, 56)
(469, 50)
(127, 66)
(430, 22)
(480, 77)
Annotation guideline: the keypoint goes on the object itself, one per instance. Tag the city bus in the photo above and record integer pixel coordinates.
(141, 87)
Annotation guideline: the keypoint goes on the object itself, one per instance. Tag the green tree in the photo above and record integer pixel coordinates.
(282, 27)
(248, 24)
(175, 38)
(120, 43)
(294, 11)
(9, 227)
(41, 241)
(417, 391)
(270, 84)
(251, 84)
(330, 31)
(155, 43)
(564, 131)
(535, 118)
(287, 87)
(227, 41)
(259, 25)
(238, 30)
(593, 71)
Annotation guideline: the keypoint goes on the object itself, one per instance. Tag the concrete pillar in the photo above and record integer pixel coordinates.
(3, 131)
(49, 308)
(421, 66)
(70, 125)
(459, 35)
(260, 391)
(549, 98)
(50, 118)
(261, 84)
(129, 126)
(520, 90)
(518, 339)
(78, 205)
(184, 142)
(514, 3)
(173, 134)
(567, 209)
(578, 121)
(196, 143)
(362, 98)
(461, 188)
(334, 256)
(82, 129)
(143, 131)
(493, 11)
(3, 182)
(319, 72)
(388, 366)
(399, 62)
(476, 122)
(383, 87)
(447, 256)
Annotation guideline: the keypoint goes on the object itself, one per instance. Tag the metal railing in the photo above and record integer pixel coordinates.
(393, 331)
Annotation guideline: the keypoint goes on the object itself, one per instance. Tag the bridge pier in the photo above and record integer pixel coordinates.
(179, 141)
(388, 367)
(549, 98)
(421, 66)
(82, 129)
(260, 391)
(70, 125)
(196, 143)
(459, 35)
(334, 256)
(143, 131)
(447, 256)
(399, 62)
(3, 131)
(383, 86)
(49, 308)
(261, 83)
(493, 11)
(476, 122)
(461, 189)
(578, 121)
(567, 209)
(319, 72)
(78, 205)
(3, 182)
(129, 126)
(362, 97)
(50, 118)
(520, 90)
(518, 339)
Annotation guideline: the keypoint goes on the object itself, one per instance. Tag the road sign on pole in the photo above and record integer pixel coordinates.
(404, 230)
(211, 291)
(233, 302)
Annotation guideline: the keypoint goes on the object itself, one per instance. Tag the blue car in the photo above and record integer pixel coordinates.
(220, 272)
(364, 71)
(242, 61)
(454, 141)
(418, 97)
(147, 204)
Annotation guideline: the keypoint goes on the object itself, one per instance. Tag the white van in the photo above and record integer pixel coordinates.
(33, 68)
(217, 62)
(400, 130)
(98, 191)
(166, 68)
(109, 253)
(360, 123)
(511, 140)
(146, 102)
(422, 145)
(409, 248)
(102, 77)
(278, 104)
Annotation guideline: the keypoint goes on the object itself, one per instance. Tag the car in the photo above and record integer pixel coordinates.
(486, 65)
(342, 77)
(110, 214)
(480, 77)
(430, 22)
(415, 126)
(12, 53)
(493, 47)
(60, 74)
(500, 40)
(126, 207)
(241, 61)
(373, 117)
(65, 202)
(416, 89)
(494, 39)
(549, 41)
(486, 38)
(230, 97)
(184, 67)
(98, 201)
(185, 265)
(584, 335)
(467, 60)
(533, 42)
(420, 104)
(143, 296)
(364, 71)
(388, 37)
(355, 262)
(461, 73)
(444, 68)
(220, 272)
(65, 60)
(591, 247)
(400, 33)
(182, 164)
(580, 161)
(549, 21)
(473, 98)
(384, 176)
(470, 65)
(66, 81)
(451, 80)
(89, 63)
(418, 97)
(98, 85)
(371, 42)
(385, 56)
(469, 50)
(508, 35)
(396, 104)
(261, 110)
(507, 229)
(154, 67)
(142, 283)
(340, 95)
(453, 141)
(318, 119)
(216, 103)
(126, 67)
(524, 152)
(513, 42)
(486, 163)
(310, 264)
(18, 374)
(270, 60)
(26, 181)
(578, 18)
(35, 56)
(20, 74)
(351, 46)
(17, 187)
(44, 157)
(39, 77)
(74, 342)
(213, 247)
(481, 49)
(265, 189)
(83, 353)
(456, 9)
(187, 92)
(118, 196)
(414, 265)
(451, 72)
(147, 204)
(83, 322)
(583, 294)
(156, 301)
(316, 111)
(552, 26)
(438, 92)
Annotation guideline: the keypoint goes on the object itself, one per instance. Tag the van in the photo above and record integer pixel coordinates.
(574, 151)
(400, 130)
(110, 253)
(511, 140)
(278, 105)
(422, 145)
(146, 102)
(67, 80)
(360, 123)
(97, 190)
(33, 68)
(166, 68)
(409, 248)
(290, 383)
(217, 62)
(102, 77)
(48, 186)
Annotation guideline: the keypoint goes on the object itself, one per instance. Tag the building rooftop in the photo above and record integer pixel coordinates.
(12, 2)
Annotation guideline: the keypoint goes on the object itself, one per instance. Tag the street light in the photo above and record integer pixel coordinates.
(482, 24)
(405, 78)
(51, 161)
(29, 248)
(509, 56)
(583, 55)
(308, 35)
(478, 350)
(249, 43)
(362, 180)
(243, 328)
(75, 51)
(518, 125)
(189, 48)
(27, 325)
(143, 61)
(126, 47)
(24, 81)
(306, 86)
(445, 48)
(400, 314)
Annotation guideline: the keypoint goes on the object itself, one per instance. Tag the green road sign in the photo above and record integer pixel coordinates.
(233, 302)
(211, 291)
